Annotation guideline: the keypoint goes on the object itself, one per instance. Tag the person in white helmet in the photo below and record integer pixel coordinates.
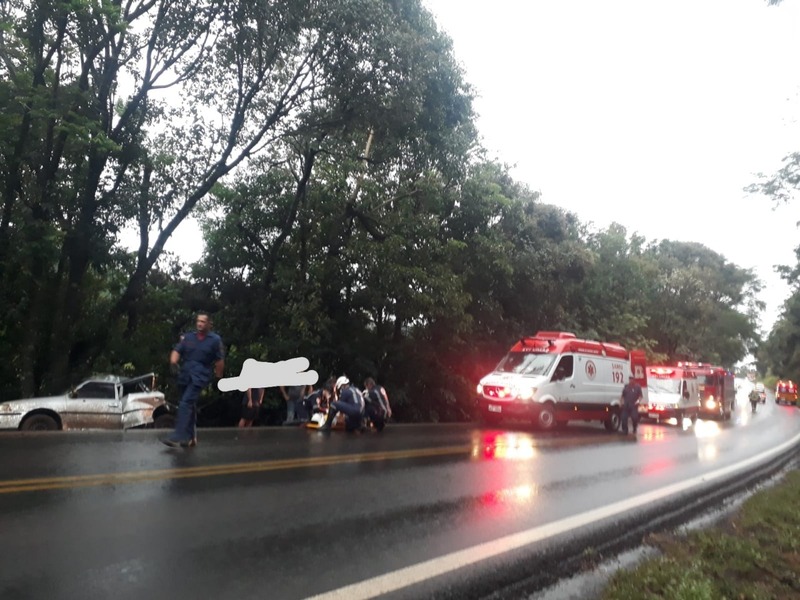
(348, 400)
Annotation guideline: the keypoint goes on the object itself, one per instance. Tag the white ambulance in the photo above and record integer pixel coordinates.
(553, 377)
(673, 393)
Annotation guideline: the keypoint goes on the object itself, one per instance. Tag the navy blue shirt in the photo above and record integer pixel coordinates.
(631, 393)
(317, 399)
(198, 357)
(351, 395)
(376, 395)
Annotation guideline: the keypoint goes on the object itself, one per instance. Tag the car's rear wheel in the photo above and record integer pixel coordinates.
(39, 423)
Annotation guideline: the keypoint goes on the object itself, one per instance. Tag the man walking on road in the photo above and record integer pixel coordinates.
(201, 356)
(631, 394)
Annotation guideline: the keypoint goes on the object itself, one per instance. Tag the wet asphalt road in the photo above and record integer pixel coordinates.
(290, 513)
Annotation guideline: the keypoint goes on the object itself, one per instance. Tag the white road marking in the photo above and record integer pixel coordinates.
(396, 580)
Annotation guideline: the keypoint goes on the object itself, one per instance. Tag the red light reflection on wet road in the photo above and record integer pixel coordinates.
(494, 445)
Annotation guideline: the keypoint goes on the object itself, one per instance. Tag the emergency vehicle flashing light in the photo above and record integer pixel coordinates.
(661, 371)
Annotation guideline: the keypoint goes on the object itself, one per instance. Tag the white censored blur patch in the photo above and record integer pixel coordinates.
(257, 374)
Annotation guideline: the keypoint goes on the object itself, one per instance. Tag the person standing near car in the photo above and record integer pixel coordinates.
(631, 394)
(196, 359)
(251, 404)
(294, 395)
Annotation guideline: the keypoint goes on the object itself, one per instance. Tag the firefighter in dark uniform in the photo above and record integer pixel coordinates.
(197, 357)
(631, 394)
(349, 401)
(377, 403)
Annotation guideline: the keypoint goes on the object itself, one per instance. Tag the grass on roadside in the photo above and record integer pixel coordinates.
(753, 554)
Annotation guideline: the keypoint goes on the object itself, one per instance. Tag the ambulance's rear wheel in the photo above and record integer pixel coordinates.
(612, 423)
(546, 420)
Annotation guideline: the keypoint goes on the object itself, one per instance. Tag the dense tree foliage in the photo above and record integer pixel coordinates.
(127, 115)
(329, 151)
(779, 356)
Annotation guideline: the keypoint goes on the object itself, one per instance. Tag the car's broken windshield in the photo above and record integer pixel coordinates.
(145, 383)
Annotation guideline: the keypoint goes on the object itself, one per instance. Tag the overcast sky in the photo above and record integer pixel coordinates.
(655, 115)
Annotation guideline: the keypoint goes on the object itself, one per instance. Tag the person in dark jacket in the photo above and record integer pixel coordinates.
(631, 394)
(196, 358)
(349, 401)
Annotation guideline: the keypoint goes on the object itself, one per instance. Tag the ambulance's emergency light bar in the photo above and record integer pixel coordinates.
(661, 371)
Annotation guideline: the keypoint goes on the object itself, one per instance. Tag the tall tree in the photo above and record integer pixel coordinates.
(701, 306)
(132, 113)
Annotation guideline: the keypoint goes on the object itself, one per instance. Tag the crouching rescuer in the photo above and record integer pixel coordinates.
(377, 403)
(348, 401)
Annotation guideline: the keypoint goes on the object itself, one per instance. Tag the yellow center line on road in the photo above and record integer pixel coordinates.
(100, 479)
(76, 481)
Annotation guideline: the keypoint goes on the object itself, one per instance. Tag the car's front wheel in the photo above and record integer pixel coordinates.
(39, 423)
(164, 421)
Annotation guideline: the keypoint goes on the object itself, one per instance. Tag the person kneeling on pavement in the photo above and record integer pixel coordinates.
(348, 401)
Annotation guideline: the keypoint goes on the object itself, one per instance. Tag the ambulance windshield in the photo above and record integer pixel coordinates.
(526, 363)
(664, 386)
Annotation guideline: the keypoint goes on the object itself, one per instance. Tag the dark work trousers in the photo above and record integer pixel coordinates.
(629, 411)
(186, 424)
(353, 414)
(377, 415)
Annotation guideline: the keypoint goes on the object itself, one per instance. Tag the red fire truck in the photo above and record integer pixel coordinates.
(717, 390)
(786, 392)
(553, 377)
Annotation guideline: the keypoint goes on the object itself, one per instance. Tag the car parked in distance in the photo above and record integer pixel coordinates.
(101, 402)
(762, 392)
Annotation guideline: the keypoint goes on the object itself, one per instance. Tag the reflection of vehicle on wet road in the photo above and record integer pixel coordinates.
(673, 393)
(103, 402)
(553, 378)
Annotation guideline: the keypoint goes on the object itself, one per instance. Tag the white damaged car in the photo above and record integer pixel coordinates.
(102, 402)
